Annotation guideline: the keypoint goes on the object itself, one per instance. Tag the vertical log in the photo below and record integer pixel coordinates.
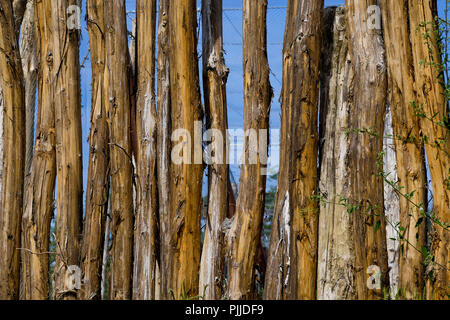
(185, 178)
(215, 75)
(430, 96)
(293, 250)
(408, 145)
(69, 180)
(97, 193)
(244, 237)
(163, 142)
(336, 260)
(146, 236)
(117, 64)
(12, 155)
(39, 194)
(366, 126)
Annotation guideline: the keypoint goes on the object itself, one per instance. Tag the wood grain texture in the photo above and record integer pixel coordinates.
(12, 153)
(292, 264)
(244, 236)
(146, 237)
(120, 150)
(369, 98)
(215, 74)
(97, 192)
(185, 178)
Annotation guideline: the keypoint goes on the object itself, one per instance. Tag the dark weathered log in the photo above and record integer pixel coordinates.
(215, 75)
(163, 143)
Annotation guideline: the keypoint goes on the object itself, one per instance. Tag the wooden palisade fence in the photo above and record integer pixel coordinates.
(364, 118)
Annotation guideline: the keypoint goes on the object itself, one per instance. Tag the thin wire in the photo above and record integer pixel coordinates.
(232, 24)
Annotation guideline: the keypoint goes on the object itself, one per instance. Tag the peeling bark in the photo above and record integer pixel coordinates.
(408, 146)
(97, 193)
(367, 53)
(336, 261)
(120, 150)
(185, 179)
(293, 248)
(245, 233)
(146, 235)
(430, 96)
(215, 75)
(39, 194)
(12, 154)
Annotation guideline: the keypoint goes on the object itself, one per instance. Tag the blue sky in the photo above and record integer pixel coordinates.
(232, 20)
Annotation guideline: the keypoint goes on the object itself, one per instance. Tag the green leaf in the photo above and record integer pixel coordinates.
(377, 226)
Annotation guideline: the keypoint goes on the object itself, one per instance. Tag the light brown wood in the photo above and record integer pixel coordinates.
(12, 160)
(244, 236)
(120, 148)
(97, 192)
(69, 179)
(292, 260)
(183, 249)
(145, 235)
(409, 147)
(366, 125)
(39, 195)
(430, 96)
